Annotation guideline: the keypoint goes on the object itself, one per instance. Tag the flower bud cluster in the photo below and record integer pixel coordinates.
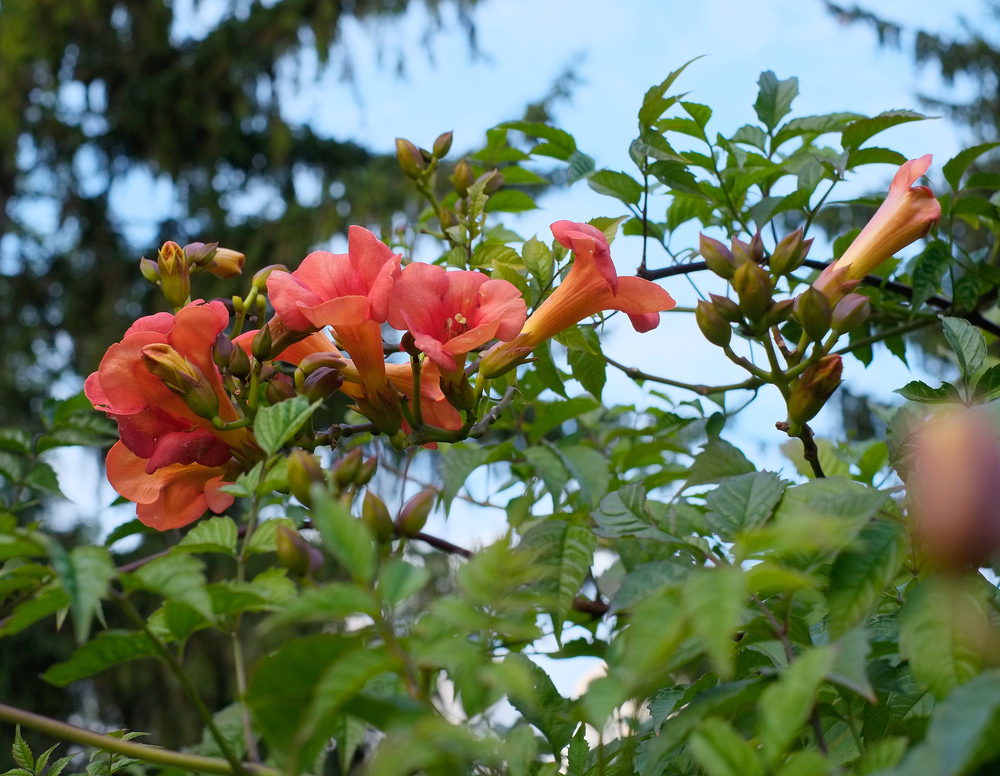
(171, 271)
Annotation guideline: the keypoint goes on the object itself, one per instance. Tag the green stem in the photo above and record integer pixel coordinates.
(236, 634)
(701, 390)
(178, 671)
(145, 752)
(756, 371)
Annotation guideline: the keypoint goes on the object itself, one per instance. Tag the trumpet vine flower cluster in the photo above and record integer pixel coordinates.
(185, 393)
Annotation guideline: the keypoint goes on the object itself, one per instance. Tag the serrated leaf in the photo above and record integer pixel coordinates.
(108, 648)
(813, 125)
(278, 424)
(921, 392)
(549, 467)
(580, 167)
(968, 343)
(955, 167)
(86, 573)
(22, 752)
(346, 537)
(721, 751)
(217, 534)
(717, 460)
(929, 271)
(857, 132)
(178, 578)
(131, 528)
(538, 259)
(647, 579)
(850, 669)
(786, 704)
(564, 551)
(332, 602)
(29, 612)
(988, 384)
(457, 463)
(774, 98)
(43, 477)
(713, 601)
(589, 369)
(510, 201)
(16, 439)
(941, 630)
(544, 708)
(263, 539)
(743, 502)
(653, 102)
(624, 513)
(576, 758)
(617, 185)
(861, 572)
(398, 580)
(874, 155)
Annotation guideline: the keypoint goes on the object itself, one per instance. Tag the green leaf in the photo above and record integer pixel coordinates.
(42, 477)
(968, 343)
(545, 368)
(850, 669)
(510, 201)
(676, 176)
(941, 629)
(346, 537)
(15, 439)
(332, 602)
(988, 384)
(108, 648)
(131, 528)
(564, 552)
(653, 103)
(278, 424)
(349, 732)
(552, 415)
(398, 580)
(217, 534)
(22, 752)
(647, 579)
(721, 751)
(538, 259)
(955, 167)
(743, 502)
(29, 612)
(576, 759)
(616, 184)
(580, 167)
(457, 463)
(560, 144)
(787, 703)
(963, 736)
(590, 470)
(623, 513)
(861, 572)
(774, 99)
(544, 708)
(813, 125)
(549, 467)
(178, 578)
(714, 600)
(717, 460)
(86, 573)
(921, 392)
(263, 539)
(860, 130)
(862, 156)
(929, 271)
(588, 365)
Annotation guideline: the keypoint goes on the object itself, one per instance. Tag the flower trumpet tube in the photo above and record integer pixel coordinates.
(591, 287)
(906, 215)
(162, 386)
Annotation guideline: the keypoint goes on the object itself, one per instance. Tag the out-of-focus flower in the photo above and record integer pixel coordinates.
(591, 286)
(350, 293)
(170, 459)
(953, 488)
(450, 313)
(905, 216)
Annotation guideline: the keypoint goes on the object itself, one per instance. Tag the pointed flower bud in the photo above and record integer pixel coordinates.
(413, 516)
(442, 145)
(150, 270)
(347, 468)
(199, 254)
(411, 161)
(322, 383)
(175, 275)
(718, 258)
(278, 390)
(182, 378)
(756, 248)
(376, 516)
(753, 286)
(741, 251)
(458, 391)
(850, 312)
(462, 177)
(296, 554)
(222, 351)
(778, 312)
(260, 276)
(727, 308)
(368, 469)
(494, 180)
(239, 364)
(260, 346)
(712, 325)
(227, 264)
(813, 311)
(813, 388)
(303, 471)
(790, 253)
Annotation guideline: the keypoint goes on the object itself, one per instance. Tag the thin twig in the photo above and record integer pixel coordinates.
(493, 415)
(701, 390)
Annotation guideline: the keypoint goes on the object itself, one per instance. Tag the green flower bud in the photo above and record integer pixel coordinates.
(182, 378)
(753, 287)
(296, 554)
(199, 254)
(741, 251)
(812, 309)
(303, 471)
(462, 177)
(458, 392)
(756, 248)
(239, 364)
(368, 469)
(813, 388)
(712, 325)
(376, 516)
(442, 145)
(150, 270)
(322, 383)
(411, 161)
(278, 390)
(260, 276)
(260, 346)
(778, 312)
(727, 308)
(850, 312)
(448, 218)
(175, 275)
(413, 516)
(494, 180)
(347, 468)
(790, 253)
(222, 350)
(718, 258)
